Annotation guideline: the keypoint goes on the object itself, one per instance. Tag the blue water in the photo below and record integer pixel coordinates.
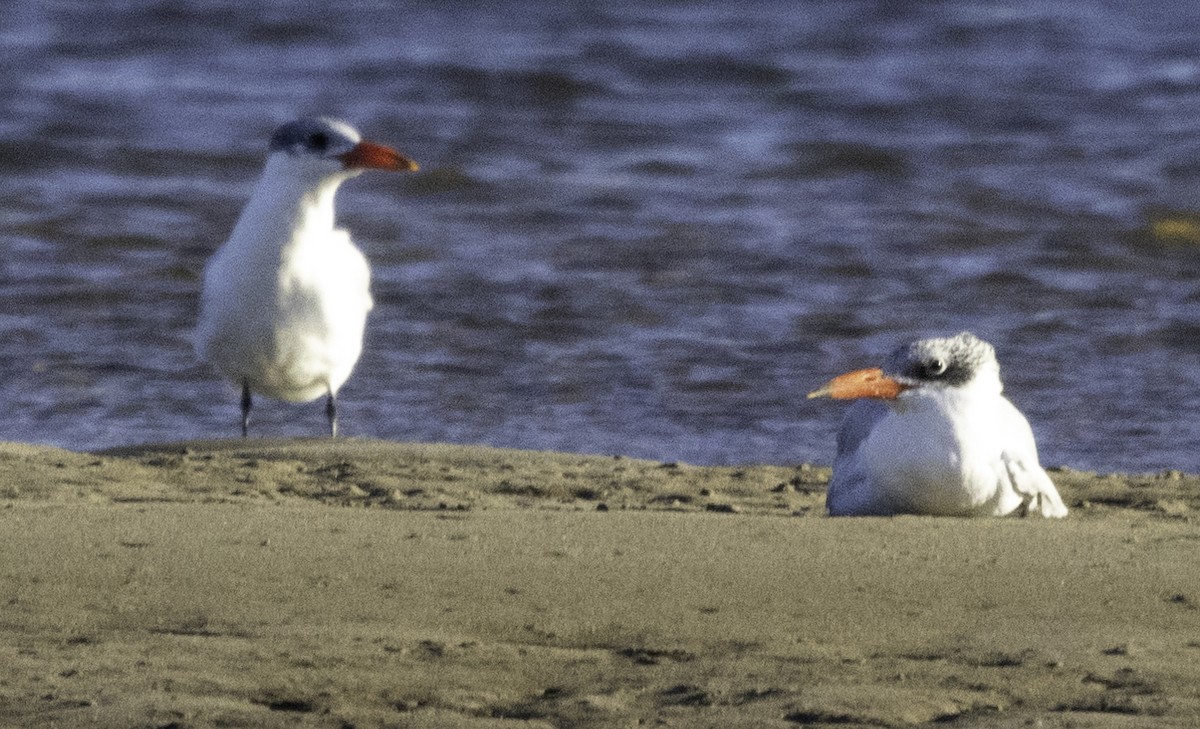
(644, 230)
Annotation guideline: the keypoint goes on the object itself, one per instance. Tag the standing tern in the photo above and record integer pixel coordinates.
(931, 433)
(286, 298)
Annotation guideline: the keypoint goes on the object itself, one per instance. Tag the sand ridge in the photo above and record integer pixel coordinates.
(370, 584)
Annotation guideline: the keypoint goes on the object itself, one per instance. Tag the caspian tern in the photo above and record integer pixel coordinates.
(286, 298)
(931, 433)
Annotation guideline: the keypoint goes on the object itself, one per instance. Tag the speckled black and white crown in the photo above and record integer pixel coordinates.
(949, 360)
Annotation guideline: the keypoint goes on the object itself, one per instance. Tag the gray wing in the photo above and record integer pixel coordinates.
(860, 420)
(850, 491)
(1025, 474)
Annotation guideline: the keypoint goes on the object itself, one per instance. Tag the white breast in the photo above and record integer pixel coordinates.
(939, 451)
(941, 455)
(286, 298)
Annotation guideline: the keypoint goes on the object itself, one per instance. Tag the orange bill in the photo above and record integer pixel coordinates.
(860, 383)
(372, 156)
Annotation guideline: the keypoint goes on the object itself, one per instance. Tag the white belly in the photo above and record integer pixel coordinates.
(291, 328)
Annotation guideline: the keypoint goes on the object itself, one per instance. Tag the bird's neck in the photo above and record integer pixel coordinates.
(287, 208)
(972, 397)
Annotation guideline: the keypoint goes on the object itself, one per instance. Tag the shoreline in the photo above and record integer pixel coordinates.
(320, 468)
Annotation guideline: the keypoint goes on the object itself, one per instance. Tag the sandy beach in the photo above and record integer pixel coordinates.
(371, 584)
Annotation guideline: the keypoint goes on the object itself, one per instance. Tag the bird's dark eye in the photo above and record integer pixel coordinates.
(935, 367)
(318, 141)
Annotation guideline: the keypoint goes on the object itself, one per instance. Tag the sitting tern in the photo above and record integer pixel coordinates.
(932, 434)
(285, 299)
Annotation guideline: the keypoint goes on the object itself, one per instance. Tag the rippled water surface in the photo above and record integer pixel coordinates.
(645, 230)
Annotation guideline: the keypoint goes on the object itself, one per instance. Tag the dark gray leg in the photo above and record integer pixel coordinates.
(331, 413)
(246, 403)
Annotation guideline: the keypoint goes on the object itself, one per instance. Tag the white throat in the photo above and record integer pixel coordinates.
(292, 200)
